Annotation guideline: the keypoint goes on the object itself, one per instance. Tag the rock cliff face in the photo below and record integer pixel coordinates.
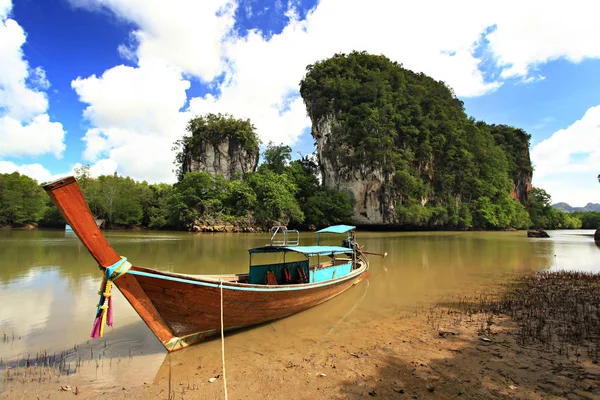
(226, 158)
(371, 188)
(368, 186)
(515, 143)
(522, 186)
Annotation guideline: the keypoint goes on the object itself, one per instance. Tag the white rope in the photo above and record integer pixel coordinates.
(223, 341)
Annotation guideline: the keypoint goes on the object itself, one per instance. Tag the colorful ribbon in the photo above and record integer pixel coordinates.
(104, 313)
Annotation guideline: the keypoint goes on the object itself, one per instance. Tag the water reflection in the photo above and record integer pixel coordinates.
(48, 285)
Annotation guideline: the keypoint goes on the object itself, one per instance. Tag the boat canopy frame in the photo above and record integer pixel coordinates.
(285, 241)
(284, 246)
(306, 250)
(339, 229)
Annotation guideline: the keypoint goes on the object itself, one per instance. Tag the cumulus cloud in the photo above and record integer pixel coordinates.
(573, 149)
(181, 32)
(258, 74)
(40, 136)
(144, 99)
(102, 167)
(529, 33)
(5, 8)
(569, 160)
(135, 117)
(35, 171)
(41, 174)
(25, 127)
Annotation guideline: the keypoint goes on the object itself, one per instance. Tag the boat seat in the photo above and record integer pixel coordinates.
(302, 275)
(287, 277)
(271, 280)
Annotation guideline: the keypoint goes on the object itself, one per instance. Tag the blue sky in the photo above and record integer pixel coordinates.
(111, 83)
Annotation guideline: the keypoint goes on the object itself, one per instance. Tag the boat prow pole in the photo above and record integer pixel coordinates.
(68, 198)
(383, 255)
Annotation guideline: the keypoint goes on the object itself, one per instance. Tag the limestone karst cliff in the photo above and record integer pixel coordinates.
(368, 184)
(226, 158)
(219, 145)
(402, 146)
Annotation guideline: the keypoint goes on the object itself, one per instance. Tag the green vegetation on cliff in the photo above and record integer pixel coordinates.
(440, 168)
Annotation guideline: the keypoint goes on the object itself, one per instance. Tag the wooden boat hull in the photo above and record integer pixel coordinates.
(191, 309)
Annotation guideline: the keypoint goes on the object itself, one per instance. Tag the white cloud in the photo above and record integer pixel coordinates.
(38, 78)
(5, 8)
(574, 149)
(264, 74)
(530, 33)
(569, 160)
(101, 167)
(16, 99)
(145, 99)
(40, 136)
(576, 189)
(136, 113)
(136, 118)
(25, 128)
(41, 174)
(183, 33)
(35, 171)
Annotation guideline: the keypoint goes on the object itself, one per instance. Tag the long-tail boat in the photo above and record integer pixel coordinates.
(183, 309)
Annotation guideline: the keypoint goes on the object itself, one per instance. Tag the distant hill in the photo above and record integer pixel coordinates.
(567, 208)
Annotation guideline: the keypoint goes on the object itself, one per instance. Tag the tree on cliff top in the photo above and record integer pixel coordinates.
(214, 129)
(277, 157)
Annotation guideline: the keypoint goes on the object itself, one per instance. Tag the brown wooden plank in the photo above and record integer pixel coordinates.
(67, 197)
(133, 292)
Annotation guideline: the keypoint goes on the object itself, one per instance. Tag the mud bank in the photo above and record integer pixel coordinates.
(484, 345)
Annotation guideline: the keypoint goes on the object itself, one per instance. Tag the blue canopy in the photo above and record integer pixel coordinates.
(336, 229)
(306, 250)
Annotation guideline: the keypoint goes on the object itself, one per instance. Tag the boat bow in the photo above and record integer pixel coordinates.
(68, 198)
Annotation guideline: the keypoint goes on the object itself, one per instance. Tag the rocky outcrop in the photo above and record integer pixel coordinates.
(522, 186)
(227, 158)
(597, 236)
(246, 225)
(537, 233)
(367, 185)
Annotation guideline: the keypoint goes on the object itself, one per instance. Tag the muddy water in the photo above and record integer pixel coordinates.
(48, 285)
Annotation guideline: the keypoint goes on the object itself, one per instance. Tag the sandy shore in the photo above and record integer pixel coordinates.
(432, 352)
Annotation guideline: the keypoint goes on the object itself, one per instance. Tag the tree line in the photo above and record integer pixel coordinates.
(281, 191)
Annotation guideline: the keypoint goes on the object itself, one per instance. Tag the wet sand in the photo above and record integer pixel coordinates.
(437, 350)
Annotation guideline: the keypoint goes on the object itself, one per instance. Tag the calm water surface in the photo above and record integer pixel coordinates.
(48, 285)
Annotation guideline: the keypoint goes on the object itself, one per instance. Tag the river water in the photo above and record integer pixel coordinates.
(48, 286)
